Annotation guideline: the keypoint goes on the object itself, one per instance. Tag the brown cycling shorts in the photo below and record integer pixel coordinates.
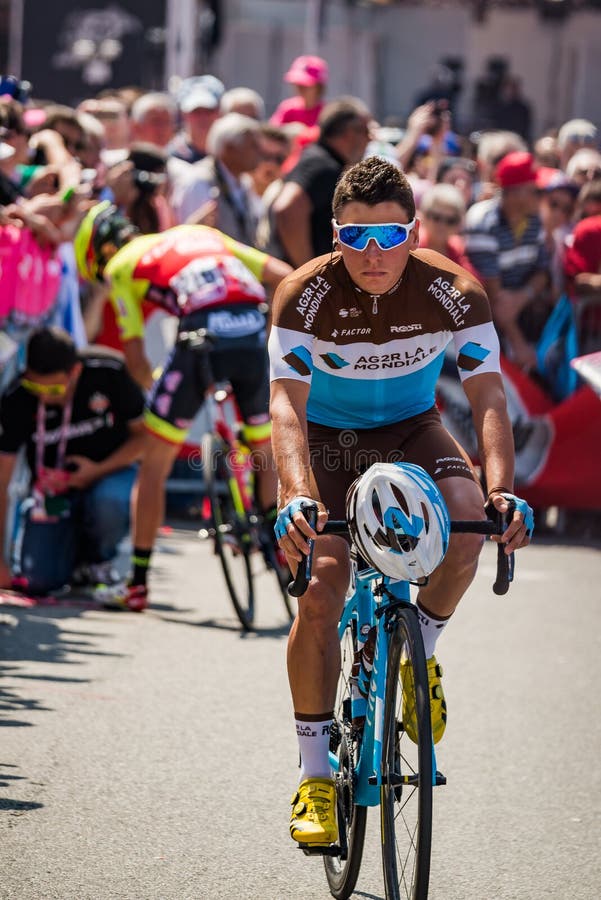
(338, 456)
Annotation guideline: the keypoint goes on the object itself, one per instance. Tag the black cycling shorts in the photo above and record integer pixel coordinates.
(338, 456)
(239, 356)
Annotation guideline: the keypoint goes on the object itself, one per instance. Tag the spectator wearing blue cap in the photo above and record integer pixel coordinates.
(198, 101)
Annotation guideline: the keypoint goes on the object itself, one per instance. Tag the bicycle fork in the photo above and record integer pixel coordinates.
(368, 771)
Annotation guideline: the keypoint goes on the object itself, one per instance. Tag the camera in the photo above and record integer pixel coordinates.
(440, 107)
(148, 182)
(13, 87)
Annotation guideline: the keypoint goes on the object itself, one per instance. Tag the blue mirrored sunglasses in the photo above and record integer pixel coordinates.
(387, 236)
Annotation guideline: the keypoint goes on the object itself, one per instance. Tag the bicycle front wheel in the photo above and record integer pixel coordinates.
(342, 871)
(406, 794)
(233, 539)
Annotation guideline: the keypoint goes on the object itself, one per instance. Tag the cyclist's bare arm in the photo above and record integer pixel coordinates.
(291, 451)
(292, 211)
(137, 362)
(486, 397)
(274, 270)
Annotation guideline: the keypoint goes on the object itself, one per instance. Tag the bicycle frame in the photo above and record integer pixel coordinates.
(368, 610)
(227, 423)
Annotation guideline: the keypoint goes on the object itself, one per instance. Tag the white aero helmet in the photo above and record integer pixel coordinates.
(398, 520)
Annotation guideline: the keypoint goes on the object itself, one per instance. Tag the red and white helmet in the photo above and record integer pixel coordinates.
(398, 520)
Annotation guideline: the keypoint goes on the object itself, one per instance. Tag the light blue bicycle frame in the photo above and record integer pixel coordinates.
(362, 606)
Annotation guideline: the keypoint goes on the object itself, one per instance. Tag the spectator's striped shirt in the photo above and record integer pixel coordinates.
(495, 251)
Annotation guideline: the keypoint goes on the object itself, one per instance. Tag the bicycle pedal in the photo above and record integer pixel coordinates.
(320, 849)
(440, 778)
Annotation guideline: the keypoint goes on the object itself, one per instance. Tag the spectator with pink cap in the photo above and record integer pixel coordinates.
(309, 76)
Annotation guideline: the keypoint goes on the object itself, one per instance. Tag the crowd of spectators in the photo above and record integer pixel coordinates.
(209, 155)
(521, 211)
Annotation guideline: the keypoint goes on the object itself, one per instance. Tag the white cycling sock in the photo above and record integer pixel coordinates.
(431, 628)
(314, 745)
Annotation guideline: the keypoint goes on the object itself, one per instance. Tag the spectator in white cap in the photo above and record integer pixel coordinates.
(574, 135)
(584, 165)
(198, 100)
(309, 75)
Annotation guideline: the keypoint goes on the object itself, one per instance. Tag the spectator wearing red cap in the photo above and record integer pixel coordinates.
(506, 246)
(583, 256)
(309, 76)
(582, 264)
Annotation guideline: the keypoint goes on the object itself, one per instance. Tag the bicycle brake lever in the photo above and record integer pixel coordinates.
(303, 573)
(505, 563)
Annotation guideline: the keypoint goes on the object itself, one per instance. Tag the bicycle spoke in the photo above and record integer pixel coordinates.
(407, 807)
(342, 871)
(233, 540)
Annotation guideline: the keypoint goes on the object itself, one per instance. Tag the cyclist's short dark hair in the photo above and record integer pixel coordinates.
(49, 350)
(371, 181)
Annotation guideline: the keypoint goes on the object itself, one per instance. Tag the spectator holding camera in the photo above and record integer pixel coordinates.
(138, 184)
(428, 140)
(79, 416)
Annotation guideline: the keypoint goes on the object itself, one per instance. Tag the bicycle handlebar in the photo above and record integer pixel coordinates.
(496, 524)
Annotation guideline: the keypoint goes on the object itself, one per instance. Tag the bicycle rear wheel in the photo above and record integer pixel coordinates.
(406, 794)
(342, 871)
(233, 538)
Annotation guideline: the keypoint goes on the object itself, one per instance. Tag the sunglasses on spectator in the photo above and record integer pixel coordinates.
(566, 208)
(41, 390)
(583, 139)
(592, 174)
(387, 236)
(16, 131)
(278, 158)
(451, 221)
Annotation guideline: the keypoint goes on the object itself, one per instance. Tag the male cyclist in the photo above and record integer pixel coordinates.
(356, 348)
(207, 280)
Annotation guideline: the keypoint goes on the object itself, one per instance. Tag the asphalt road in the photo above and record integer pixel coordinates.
(152, 757)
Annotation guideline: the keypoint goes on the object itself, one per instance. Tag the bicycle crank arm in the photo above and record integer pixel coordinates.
(397, 779)
(319, 850)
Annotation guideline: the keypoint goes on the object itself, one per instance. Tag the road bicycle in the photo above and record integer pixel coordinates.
(241, 538)
(374, 761)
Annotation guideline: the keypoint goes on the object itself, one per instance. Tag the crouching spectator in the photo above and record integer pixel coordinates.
(79, 416)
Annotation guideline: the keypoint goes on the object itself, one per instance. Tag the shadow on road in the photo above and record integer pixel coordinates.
(35, 635)
(8, 804)
(278, 631)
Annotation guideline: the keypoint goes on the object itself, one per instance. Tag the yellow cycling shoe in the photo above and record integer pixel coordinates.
(313, 819)
(438, 706)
